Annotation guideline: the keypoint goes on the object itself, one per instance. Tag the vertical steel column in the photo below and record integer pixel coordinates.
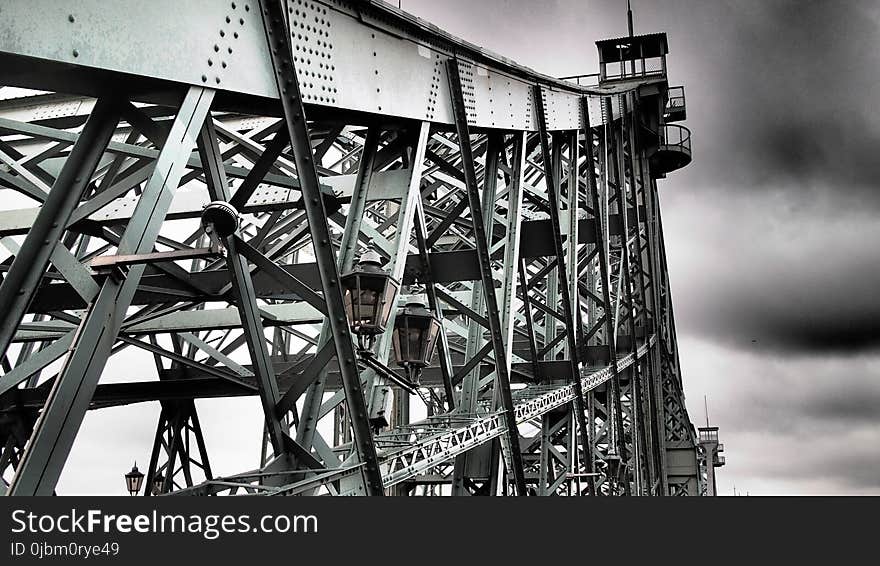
(513, 233)
(397, 263)
(24, 275)
(314, 396)
(177, 419)
(470, 385)
(574, 186)
(502, 378)
(570, 316)
(571, 246)
(655, 353)
(604, 267)
(527, 313)
(278, 36)
(648, 427)
(634, 287)
(244, 295)
(446, 367)
(72, 391)
(625, 282)
(553, 176)
(658, 413)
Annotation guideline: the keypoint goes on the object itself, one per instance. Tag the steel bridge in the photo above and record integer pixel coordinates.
(525, 208)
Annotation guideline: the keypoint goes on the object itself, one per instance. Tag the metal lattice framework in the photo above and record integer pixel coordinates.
(526, 206)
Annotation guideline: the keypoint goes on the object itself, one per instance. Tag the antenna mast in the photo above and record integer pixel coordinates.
(629, 17)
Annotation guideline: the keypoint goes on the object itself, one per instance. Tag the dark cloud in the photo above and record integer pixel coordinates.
(769, 281)
(789, 97)
(809, 70)
(848, 405)
(815, 309)
(823, 465)
(772, 238)
(790, 424)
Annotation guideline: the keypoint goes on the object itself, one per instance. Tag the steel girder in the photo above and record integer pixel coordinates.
(536, 234)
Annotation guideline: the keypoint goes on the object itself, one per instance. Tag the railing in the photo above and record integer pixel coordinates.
(633, 69)
(675, 103)
(590, 79)
(674, 136)
(425, 448)
(709, 434)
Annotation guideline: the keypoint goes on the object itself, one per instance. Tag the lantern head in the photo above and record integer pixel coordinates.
(416, 330)
(133, 480)
(158, 483)
(369, 294)
(219, 221)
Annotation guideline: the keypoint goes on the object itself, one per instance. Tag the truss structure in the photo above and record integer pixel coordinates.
(526, 206)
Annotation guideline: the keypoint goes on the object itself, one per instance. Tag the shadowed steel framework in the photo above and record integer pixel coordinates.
(523, 207)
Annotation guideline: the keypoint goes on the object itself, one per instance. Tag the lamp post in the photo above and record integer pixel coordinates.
(219, 221)
(158, 483)
(613, 471)
(369, 294)
(133, 480)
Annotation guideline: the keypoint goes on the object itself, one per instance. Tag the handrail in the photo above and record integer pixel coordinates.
(675, 134)
(675, 97)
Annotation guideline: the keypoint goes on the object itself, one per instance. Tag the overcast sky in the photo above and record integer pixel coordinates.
(770, 233)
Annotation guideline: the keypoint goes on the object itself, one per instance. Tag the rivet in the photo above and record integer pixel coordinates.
(75, 53)
(70, 18)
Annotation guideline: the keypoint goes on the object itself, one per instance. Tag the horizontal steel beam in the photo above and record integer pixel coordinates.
(365, 57)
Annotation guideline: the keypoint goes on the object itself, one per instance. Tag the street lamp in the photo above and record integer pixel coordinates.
(133, 480)
(613, 470)
(219, 221)
(415, 336)
(369, 294)
(158, 483)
